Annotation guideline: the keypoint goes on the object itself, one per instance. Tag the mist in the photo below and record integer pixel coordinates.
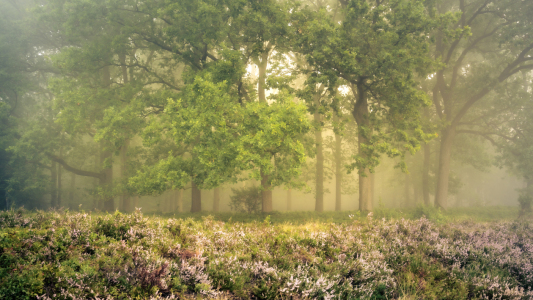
(293, 106)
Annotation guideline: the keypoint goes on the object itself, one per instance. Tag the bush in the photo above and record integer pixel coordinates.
(82, 256)
(525, 200)
(430, 212)
(246, 199)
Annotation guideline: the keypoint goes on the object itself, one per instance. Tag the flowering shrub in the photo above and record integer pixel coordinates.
(62, 255)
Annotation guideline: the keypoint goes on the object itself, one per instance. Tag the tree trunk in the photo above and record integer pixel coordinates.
(168, 200)
(407, 189)
(72, 188)
(161, 207)
(179, 200)
(125, 198)
(97, 167)
(196, 198)
(123, 67)
(338, 171)
(53, 185)
(415, 191)
(319, 182)
(289, 199)
(441, 194)
(266, 193)
(360, 113)
(107, 184)
(106, 181)
(171, 201)
(59, 185)
(216, 199)
(3, 199)
(526, 207)
(261, 84)
(365, 191)
(425, 174)
(59, 178)
(136, 202)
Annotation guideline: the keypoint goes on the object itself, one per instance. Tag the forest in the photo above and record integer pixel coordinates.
(266, 149)
(122, 104)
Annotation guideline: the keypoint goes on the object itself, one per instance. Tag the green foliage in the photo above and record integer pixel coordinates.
(246, 199)
(376, 51)
(222, 138)
(434, 214)
(525, 200)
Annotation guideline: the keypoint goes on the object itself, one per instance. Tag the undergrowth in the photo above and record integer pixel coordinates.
(418, 254)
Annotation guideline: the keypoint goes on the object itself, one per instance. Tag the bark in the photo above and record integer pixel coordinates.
(261, 84)
(365, 191)
(416, 192)
(3, 200)
(106, 181)
(196, 198)
(525, 208)
(71, 192)
(171, 201)
(338, 172)
(136, 202)
(441, 193)
(123, 67)
(407, 190)
(59, 184)
(167, 203)
(216, 199)
(360, 113)
(76, 171)
(319, 182)
(266, 193)
(125, 198)
(425, 175)
(179, 200)
(289, 199)
(96, 180)
(53, 185)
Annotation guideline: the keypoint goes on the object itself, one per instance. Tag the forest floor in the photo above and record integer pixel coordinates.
(422, 253)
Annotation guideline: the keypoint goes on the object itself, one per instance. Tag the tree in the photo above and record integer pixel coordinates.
(150, 52)
(513, 138)
(23, 181)
(224, 140)
(490, 45)
(375, 49)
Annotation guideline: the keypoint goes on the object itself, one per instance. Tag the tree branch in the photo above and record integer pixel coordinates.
(76, 171)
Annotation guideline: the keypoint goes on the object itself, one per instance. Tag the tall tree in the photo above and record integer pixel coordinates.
(23, 181)
(166, 47)
(490, 46)
(376, 48)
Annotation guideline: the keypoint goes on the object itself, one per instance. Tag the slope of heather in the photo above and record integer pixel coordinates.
(62, 255)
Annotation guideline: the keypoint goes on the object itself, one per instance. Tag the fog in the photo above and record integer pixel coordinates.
(342, 105)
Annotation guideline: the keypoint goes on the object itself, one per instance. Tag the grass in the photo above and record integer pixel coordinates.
(473, 214)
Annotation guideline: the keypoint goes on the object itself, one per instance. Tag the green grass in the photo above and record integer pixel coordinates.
(474, 214)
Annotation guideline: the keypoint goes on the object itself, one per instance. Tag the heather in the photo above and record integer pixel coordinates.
(79, 255)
